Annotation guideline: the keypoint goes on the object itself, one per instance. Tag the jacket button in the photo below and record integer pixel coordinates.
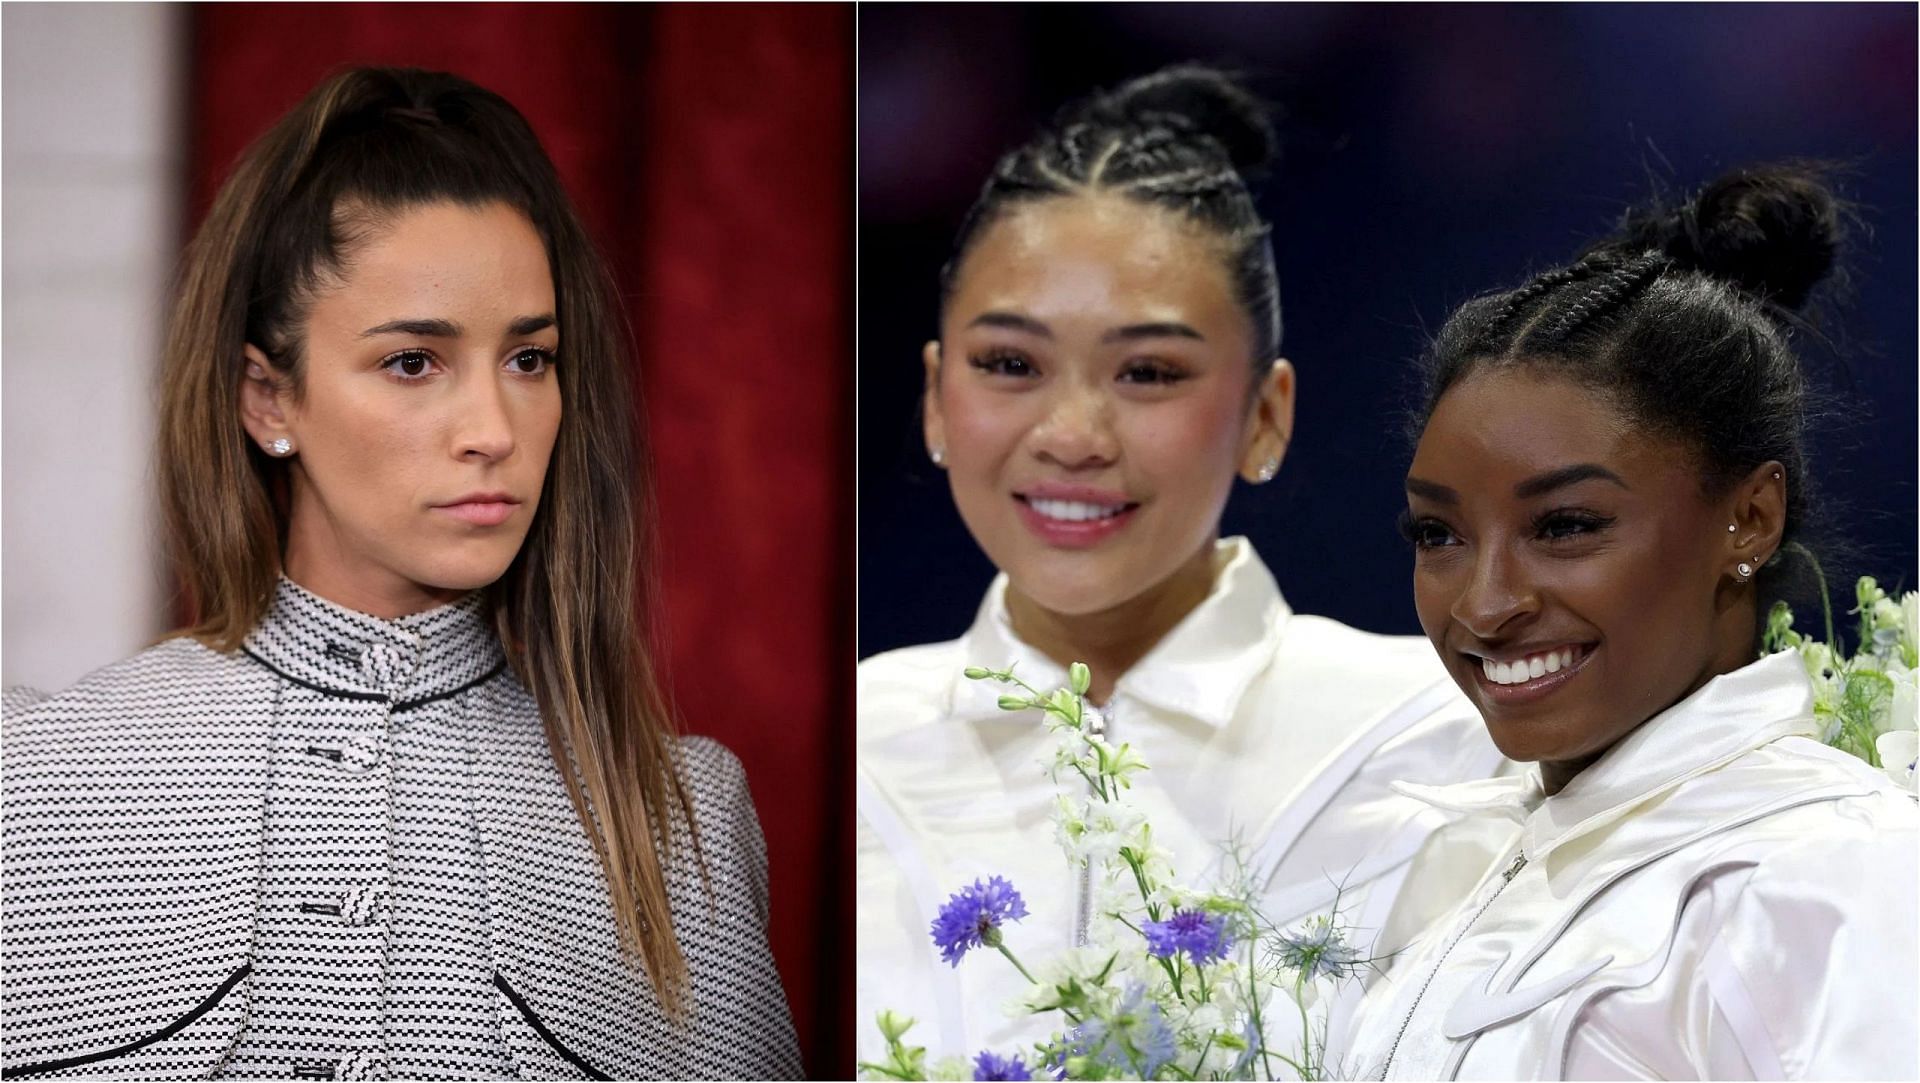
(385, 666)
(362, 906)
(362, 1064)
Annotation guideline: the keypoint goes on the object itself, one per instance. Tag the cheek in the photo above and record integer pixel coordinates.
(1195, 439)
(982, 428)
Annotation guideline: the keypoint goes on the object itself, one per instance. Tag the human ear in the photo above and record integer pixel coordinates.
(933, 422)
(262, 399)
(1757, 511)
(1269, 423)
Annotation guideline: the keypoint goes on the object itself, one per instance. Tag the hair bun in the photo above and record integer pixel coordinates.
(1200, 99)
(1772, 230)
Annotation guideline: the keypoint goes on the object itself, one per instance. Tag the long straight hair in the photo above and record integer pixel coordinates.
(367, 144)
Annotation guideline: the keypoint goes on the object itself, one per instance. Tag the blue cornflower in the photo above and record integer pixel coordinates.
(972, 917)
(1201, 935)
(1134, 1024)
(989, 1066)
(1318, 951)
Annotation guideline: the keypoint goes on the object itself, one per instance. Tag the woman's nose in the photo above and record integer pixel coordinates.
(1496, 596)
(483, 426)
(1077, 430)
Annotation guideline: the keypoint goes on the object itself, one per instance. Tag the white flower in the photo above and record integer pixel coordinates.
(1906, 699)
(1898, 751)
(1910, 627)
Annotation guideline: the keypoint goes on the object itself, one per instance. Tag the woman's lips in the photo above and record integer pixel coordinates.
(481, 512)
(1529, 688)
(1073, 524)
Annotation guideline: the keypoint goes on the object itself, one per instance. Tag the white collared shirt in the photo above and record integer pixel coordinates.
(1282, 729)
(1719, 896)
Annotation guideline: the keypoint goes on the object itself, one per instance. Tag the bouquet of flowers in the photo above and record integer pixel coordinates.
(1867, 700)
(1169, 981)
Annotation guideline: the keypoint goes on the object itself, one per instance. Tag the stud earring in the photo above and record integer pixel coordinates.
(280, 446)
(1267, 470)
(1776, 475)
(1744, 570)
(938, 455)
(1730, 528)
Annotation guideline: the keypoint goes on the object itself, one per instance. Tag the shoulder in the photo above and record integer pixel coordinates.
(900, 689)
(176, 685)
(908, 670)
(716, 786)
(1335, 650)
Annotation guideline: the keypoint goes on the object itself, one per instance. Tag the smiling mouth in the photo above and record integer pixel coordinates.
(1074, 511)
(1528, 676)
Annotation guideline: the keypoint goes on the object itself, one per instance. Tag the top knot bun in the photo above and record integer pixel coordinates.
(1772, 231)
(1194, 98)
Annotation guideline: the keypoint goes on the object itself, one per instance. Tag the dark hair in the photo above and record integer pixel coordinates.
(1684, 318)
(1186, 138)
(364, 146)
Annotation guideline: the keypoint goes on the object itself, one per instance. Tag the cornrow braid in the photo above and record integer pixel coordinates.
(1183, 139)
(1679, 320)
(1606, 294)
(1516, 303)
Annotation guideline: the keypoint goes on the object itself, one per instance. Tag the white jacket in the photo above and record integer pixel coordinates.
(1719, 896)
(1284, 730)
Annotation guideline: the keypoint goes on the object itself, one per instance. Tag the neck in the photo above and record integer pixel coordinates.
(1111, 640)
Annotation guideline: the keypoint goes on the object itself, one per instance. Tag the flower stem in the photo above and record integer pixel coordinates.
(1016, 964)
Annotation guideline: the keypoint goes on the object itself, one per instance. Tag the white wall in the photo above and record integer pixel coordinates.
(91, 136)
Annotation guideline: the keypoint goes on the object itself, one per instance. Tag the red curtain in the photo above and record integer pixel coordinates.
(709, 149)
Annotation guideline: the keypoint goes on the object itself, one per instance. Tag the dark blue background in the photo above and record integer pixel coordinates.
(1429, 152)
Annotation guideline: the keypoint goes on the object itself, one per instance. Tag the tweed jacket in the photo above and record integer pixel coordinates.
(134, 811)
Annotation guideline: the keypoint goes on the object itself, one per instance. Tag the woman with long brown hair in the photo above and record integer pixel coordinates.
(404, 799)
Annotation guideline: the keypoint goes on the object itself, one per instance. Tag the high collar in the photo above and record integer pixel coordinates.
(422, 656)
(1199, 669)
(1730, 715)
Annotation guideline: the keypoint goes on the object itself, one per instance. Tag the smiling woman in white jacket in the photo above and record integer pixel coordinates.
(1108, 363)
(1691, 886)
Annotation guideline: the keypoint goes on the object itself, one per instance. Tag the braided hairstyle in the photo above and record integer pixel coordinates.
(1186, 138)
(1683, 319)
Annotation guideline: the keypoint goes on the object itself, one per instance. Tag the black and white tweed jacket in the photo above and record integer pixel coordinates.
(136, 812)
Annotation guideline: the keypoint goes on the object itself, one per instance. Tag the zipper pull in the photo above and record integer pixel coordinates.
(1519, 862)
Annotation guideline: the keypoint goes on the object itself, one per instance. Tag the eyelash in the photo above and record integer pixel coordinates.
(1014, 364)
(391, 363)
(1001, 363)
(1585, 522)
(1417, 530)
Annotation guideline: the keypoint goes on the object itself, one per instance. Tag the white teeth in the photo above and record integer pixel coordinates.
(1527, 669)
(1073, 511)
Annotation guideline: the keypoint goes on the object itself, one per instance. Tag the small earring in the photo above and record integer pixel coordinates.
(1730, 528)
(1744, 570)
(280, 446)
(938, 455)
(1267, 470)
(1776, 475)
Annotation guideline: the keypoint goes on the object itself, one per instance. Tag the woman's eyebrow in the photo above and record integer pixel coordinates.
(1432, 490)
(1162, 329)
(1011, 321)
(439, 328)
(1566, 475)
(432, 328)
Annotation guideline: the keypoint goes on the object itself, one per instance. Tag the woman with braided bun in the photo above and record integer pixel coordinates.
(1108, 362)
(1608, 480)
